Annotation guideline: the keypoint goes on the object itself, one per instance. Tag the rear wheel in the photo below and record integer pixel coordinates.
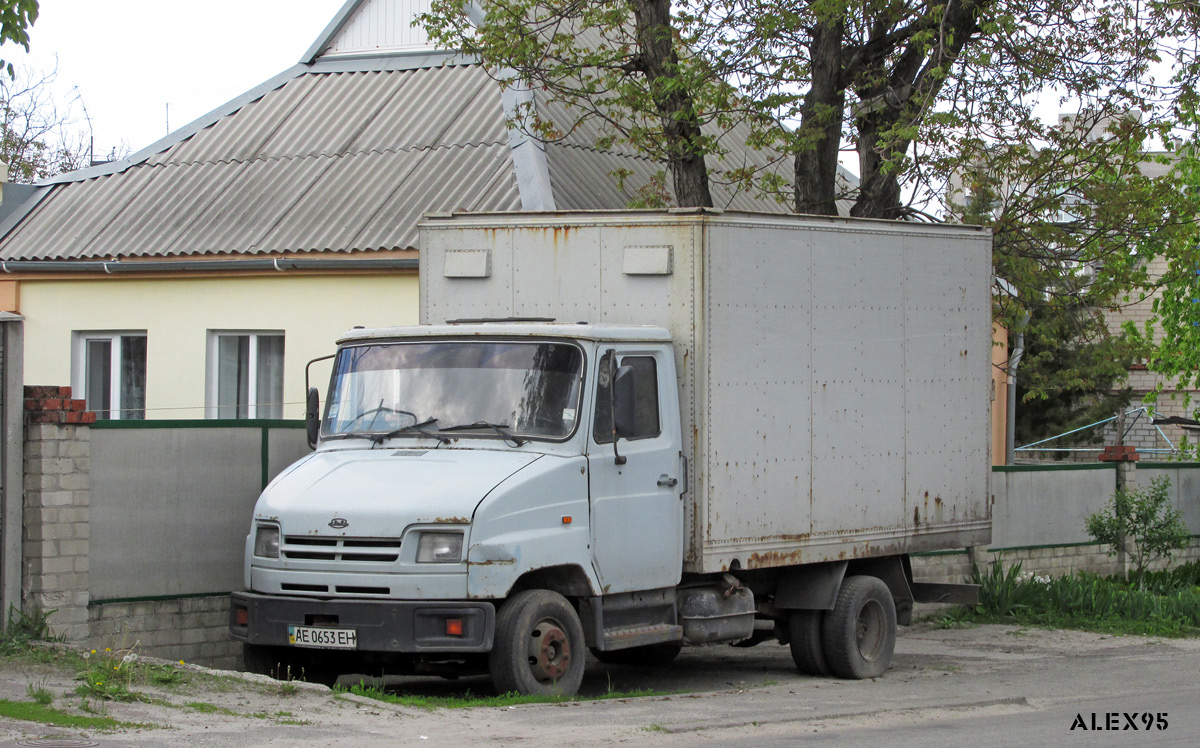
(539, 647)
(804, 638)
(860, 632)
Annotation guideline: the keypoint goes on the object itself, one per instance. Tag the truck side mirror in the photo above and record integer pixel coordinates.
(624, 398)
(312, 416)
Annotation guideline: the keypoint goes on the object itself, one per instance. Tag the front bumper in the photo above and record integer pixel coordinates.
(379, 625)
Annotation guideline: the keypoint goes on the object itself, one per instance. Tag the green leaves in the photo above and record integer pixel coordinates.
(1141, 523)
(16, 16)
(616, 64)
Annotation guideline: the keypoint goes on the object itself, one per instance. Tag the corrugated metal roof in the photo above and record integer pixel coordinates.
(326, 162)
(335, 161)
(583, 174)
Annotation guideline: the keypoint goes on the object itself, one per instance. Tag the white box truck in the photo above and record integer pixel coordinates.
(631, 432)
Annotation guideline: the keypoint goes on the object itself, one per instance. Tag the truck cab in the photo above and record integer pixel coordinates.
(455, 466)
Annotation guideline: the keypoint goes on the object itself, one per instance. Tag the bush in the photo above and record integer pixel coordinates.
(1143, 524)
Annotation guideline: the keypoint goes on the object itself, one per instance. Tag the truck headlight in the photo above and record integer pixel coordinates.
(266, 541)
(440, 548)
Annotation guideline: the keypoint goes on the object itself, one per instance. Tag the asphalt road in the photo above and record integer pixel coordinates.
(982, 686)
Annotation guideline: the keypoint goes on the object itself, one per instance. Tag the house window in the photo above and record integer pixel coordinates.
(245, 375)
(110, 371)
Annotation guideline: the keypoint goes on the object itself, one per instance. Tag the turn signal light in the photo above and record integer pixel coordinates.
(241, 616)
(454, 627)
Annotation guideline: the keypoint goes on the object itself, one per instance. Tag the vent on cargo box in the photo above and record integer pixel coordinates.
(410, 453)
(647, 260)
(467, 263)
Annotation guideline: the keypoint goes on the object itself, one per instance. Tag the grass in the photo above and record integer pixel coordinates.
(39, 693)
(1168, 606)
(206, 708)
(468, 700)
(30, 711)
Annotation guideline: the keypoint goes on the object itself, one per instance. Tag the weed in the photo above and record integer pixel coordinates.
(108, 675)
(165, 676)
(39, 693)
(954, 618)
(25, 627)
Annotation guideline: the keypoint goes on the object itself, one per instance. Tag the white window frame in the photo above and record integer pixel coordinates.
(79, 341)
(212, 368)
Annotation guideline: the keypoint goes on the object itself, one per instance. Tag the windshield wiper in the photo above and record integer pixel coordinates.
(419, 428)
(499, 428)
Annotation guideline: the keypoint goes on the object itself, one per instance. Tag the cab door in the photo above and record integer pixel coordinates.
(636, 506)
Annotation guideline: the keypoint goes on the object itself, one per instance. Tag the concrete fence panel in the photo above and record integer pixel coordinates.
(171, 502)
(1047, 505)
(1185, 487)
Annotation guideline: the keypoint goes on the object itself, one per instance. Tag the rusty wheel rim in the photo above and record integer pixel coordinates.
(549, 651)
(869, 631)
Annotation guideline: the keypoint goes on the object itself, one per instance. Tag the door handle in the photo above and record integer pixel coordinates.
(666, 481)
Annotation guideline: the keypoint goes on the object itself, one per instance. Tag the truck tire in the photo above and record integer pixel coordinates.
(650, 655)
(804, 638)
(538, 648)
(860, 632)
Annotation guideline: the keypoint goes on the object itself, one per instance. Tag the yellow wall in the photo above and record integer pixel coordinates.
(177, 314)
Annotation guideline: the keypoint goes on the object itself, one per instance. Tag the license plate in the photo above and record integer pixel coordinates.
(311, 636)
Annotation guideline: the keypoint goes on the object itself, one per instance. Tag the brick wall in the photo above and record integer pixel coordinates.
(55, 533)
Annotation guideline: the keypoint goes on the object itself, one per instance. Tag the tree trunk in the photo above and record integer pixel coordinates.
(681, 128)
(878, 192)
(820, 132)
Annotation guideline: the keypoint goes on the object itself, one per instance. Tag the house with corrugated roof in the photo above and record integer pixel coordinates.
(197, 277)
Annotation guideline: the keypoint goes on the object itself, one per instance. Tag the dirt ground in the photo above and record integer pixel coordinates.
(936, 675)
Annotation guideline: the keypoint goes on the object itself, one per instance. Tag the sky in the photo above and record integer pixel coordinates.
(127, 60)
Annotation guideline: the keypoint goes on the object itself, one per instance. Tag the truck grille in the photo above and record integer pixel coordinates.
(375, 550)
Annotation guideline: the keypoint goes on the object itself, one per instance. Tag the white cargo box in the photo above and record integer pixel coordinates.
(835, 379)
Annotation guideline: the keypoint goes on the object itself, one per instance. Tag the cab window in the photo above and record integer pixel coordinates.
(645, 385)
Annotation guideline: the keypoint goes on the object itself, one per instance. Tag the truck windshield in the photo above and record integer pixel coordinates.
(472, 388)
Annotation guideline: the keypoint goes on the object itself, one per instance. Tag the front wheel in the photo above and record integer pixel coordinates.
(860, 632)
(538, 647)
